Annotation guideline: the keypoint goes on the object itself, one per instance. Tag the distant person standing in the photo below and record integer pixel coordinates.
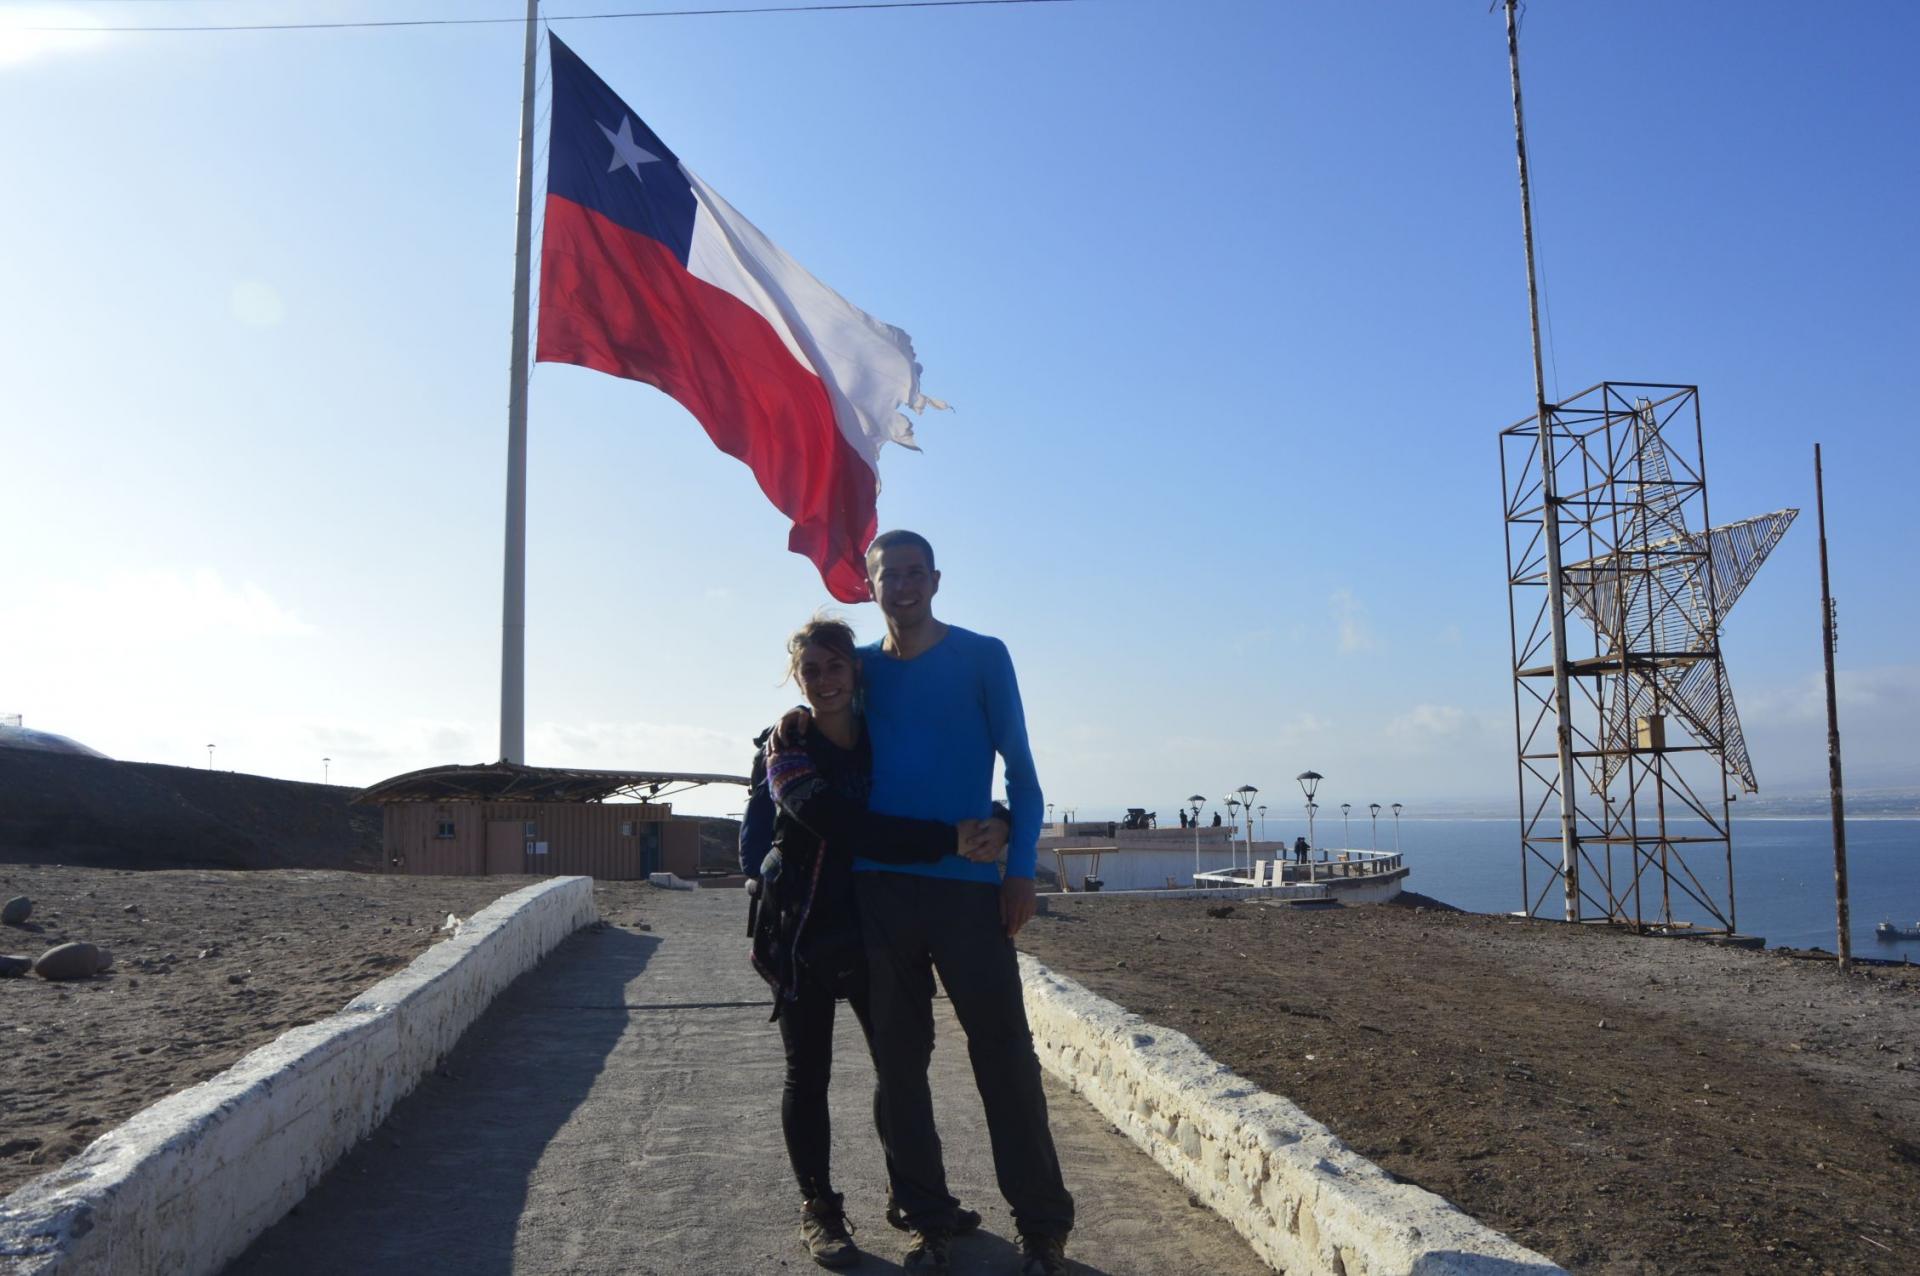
(1216, 819)
(1300, 850)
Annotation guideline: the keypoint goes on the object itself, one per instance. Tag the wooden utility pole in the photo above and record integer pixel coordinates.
(1549, 515)
(1833, 732)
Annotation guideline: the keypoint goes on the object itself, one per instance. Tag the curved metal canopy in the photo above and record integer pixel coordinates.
(511, 782)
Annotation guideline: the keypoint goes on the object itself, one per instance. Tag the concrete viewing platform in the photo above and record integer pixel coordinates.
(1155, 861)
(1350, 876)
(617, 1111)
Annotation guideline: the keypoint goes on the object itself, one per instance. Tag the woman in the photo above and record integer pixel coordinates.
(809, 804)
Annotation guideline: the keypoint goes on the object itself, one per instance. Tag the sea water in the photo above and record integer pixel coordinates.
(1782, 876)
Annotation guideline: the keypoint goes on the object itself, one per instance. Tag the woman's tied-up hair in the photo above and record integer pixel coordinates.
(824, 630)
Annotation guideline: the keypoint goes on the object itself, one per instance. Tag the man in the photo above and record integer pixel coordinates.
(941, 702)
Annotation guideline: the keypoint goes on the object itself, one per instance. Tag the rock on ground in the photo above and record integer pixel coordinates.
(71, 961)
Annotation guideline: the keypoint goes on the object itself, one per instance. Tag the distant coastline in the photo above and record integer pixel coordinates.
(1882, 802)
(1741, 815)
(1738, 815)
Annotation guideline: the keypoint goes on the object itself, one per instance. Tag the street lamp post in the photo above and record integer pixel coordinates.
(1374, 807)
(326, 770)
(1049, 812)
(1194, 803)
(1396, 828)
(1233, 824)
(1346, 833)
(1313, 808)
(209, 757)
(1263, 821)
(1309, 781)
(1247, 793)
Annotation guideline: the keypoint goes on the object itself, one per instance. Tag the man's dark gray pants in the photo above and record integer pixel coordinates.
(913, 926)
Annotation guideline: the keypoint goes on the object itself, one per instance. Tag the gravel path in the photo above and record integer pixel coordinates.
(617, 1111)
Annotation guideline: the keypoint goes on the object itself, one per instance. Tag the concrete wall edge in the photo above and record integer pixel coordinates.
(184, 1185)
(1303, 1200)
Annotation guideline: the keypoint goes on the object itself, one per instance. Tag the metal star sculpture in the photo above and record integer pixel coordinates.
(1658, 601)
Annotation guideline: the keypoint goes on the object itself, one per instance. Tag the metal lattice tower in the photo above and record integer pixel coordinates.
(1643, 599)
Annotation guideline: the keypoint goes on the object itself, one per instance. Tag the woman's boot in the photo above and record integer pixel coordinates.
(825, 1232)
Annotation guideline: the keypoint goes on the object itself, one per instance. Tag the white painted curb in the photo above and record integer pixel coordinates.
(1305, 1201)
(184, 1186)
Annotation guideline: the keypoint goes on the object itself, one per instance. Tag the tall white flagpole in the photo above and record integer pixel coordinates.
(513, 593)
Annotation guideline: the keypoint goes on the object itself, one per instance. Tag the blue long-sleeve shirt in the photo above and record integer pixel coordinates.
(937, 721)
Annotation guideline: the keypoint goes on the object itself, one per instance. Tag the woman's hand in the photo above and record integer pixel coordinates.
(982, 841)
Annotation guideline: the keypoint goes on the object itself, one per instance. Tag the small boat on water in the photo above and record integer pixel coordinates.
(1887, 930)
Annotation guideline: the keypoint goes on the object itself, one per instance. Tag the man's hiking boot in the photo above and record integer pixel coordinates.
(964, 1221)
(825, 1233)
(927, 1251)
(1042, 1255)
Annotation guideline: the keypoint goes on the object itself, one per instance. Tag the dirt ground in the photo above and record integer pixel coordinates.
(1621, 1104)
(207, 966)
(1624, 1105)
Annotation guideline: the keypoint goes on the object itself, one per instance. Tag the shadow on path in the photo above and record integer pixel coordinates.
(617, 1113)
(440, 1187)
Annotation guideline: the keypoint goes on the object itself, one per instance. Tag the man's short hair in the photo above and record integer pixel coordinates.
(893, 540)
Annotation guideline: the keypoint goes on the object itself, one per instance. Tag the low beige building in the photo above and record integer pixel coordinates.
(504, 818)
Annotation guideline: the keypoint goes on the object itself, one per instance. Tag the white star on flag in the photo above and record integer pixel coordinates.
(627, 153)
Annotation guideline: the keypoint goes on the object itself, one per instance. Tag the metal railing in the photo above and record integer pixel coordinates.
(1323, 866)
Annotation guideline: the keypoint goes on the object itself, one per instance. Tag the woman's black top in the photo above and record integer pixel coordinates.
(815, 796)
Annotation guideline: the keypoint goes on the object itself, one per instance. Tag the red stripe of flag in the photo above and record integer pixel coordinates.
(621, 303)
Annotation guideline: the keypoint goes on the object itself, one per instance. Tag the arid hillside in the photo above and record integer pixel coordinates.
(57, 808)
(65, 809)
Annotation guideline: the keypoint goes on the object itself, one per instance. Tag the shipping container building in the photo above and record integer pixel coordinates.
(505, 818)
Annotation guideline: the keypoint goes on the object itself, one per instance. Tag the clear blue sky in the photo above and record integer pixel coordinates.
(1228, 297)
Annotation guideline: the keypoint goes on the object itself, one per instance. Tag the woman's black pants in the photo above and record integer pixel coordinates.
(806, 1029)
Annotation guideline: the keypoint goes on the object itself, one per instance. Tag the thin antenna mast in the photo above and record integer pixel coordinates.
(513, 593)
(1842, 908)
(1550, 500)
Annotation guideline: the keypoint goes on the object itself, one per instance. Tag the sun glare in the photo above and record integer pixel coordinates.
(20, 44)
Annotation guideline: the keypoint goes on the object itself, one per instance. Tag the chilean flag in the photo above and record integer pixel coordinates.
(647, 274)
